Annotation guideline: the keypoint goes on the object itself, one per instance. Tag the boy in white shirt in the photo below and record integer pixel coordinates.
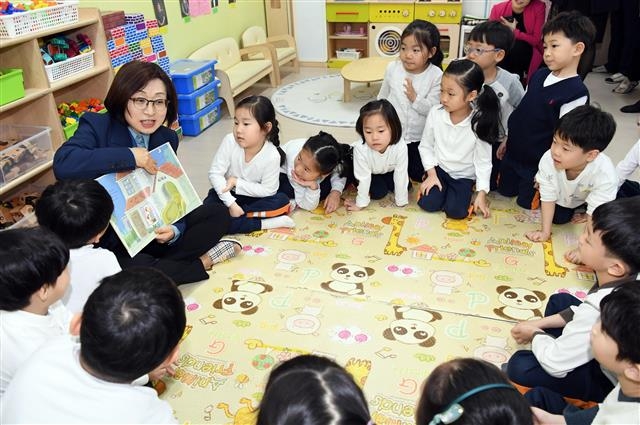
(575, 171)
(33, 278)
(615, 342)
(130, 328)
(625, 169)
(78, 211)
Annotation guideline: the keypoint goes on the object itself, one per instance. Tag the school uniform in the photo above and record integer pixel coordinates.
(625, 169)
(380, 173)
(101, 145)
(531, 126)
(412, 114)
(22, 333)
(256, 186)
(562, 359)
(305, 197)
(53, 387)
(595, 185)
(509, 90)
(460, 159)
(88, 265)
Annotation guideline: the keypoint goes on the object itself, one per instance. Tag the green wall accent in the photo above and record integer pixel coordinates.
(181, 37)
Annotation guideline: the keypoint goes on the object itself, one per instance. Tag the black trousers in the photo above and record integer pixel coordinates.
(180, 260)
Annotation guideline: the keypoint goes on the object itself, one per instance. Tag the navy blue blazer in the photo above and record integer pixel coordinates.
(101, 145)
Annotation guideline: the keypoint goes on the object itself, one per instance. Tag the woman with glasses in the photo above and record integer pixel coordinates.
(140, 101)
(525, 18)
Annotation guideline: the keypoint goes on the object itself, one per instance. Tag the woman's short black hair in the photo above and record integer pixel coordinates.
(133, 77)
(31, 258)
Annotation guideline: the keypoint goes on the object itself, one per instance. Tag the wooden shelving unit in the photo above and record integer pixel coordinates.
(38, 107)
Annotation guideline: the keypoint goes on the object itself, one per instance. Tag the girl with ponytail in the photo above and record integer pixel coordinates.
(456, 143)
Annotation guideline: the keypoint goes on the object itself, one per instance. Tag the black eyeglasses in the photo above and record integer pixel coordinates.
(141, 103)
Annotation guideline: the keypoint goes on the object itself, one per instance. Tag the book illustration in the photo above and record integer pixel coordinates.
(144, 202)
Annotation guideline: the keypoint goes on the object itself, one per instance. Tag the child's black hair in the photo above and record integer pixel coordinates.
(31, 258)
(312, 390)
(485, 121)
(75, 210)
(619, 221)
(130, 324)
(494, 34)
(588, 127)
(330, 156)
(389, 114)
(263, 111)
(620, 315)
(427, 35)
(574, 25)
(448, 381)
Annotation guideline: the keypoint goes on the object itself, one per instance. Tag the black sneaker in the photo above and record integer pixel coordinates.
(631, 109)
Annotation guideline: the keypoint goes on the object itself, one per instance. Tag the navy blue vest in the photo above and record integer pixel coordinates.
(532, 123)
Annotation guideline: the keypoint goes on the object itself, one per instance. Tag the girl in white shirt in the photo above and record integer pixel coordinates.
(380, 160)
(245, 170)
(309, 162)
(456, 143)
(412, 85)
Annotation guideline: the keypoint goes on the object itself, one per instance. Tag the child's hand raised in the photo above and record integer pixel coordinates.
(350, 205)
(409, 90)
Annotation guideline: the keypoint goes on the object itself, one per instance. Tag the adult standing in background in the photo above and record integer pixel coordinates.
(525, 18)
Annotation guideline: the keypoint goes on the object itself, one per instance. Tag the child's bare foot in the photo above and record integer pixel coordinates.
(573, 256)
(225, 249)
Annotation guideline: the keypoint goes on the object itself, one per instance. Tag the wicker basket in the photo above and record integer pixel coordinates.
(69, 67)
(22, 23)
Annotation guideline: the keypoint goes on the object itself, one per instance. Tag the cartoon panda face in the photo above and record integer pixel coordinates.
(350, 273)
(239, 301)
(520, 298)
(410, 331)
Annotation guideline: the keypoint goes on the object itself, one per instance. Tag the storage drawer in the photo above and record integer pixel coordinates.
(347, 12)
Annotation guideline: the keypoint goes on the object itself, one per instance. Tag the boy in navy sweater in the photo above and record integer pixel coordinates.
(552, 92)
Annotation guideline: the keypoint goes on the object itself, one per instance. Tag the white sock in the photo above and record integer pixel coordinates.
(275, 222)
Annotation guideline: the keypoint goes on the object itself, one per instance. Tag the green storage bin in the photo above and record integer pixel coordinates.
(11, 85)
(347, 12)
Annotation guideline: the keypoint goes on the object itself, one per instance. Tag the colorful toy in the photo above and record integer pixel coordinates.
(70, 113)
(60, 48)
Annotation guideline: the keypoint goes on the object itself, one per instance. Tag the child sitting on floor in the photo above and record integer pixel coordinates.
(560, 357)
(625, 168)
(615, 342)
(33, 278)
(380, 161)
(130, 328)
(245, 170)
(469, 391)
(575, 172)
(303, 177)
(308, 390)
(78, 211)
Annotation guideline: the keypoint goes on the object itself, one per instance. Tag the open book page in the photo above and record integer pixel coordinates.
(142, 202)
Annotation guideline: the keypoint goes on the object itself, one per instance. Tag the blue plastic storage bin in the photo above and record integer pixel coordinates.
(189, 75)
(189, 104)
(192, 125)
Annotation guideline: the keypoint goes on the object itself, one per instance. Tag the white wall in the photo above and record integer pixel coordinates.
(479, 8)
(310, 30)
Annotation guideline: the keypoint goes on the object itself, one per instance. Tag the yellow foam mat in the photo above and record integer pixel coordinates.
(389, 292)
